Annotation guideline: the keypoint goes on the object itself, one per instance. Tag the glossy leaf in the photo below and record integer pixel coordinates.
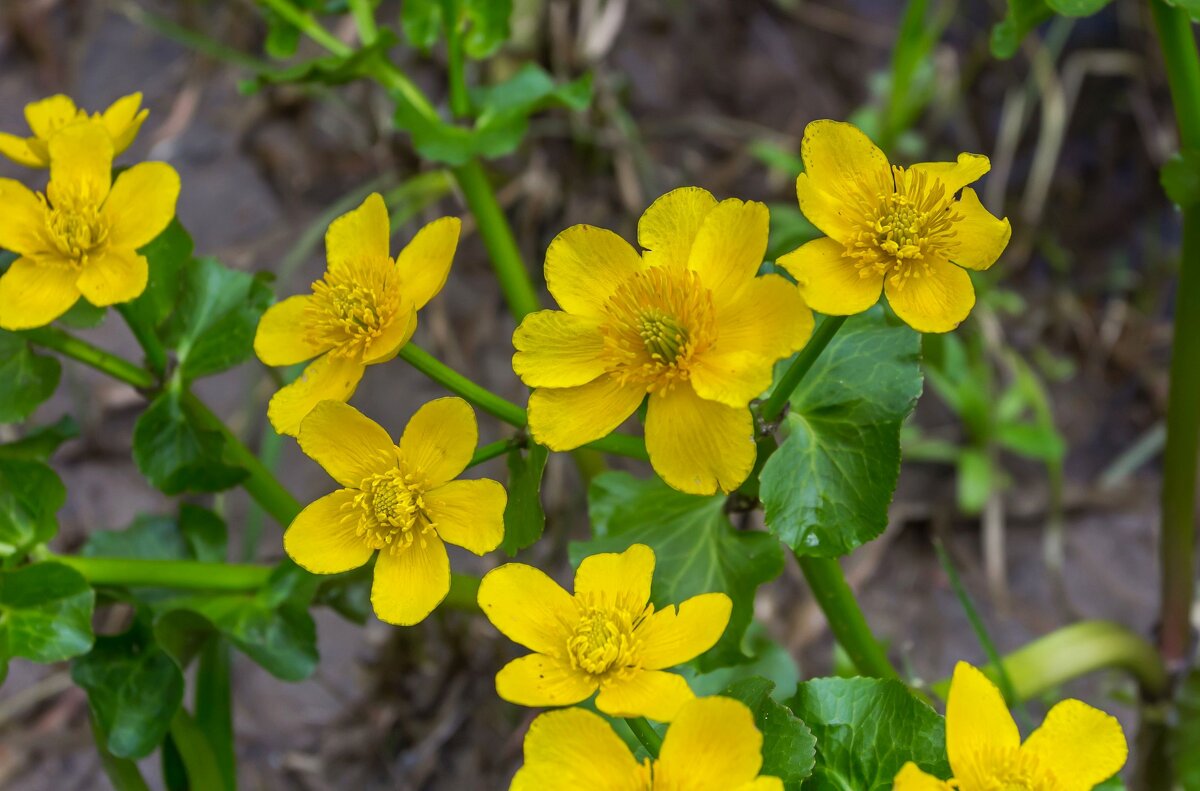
(26, 378)
(524, 519)
(45, 614)
(30, 496)
(39, 443)
(166, 253)
(176, 453)
(789, 749)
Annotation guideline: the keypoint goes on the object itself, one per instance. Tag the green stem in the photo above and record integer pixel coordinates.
(460, 99)
(498, 239)
(1077, 650)
(645, 734)
(147, 338)
(493, 449)
(309, 26)
(845, 617)
(116, 367)
(364, 18)
(822, 335)
(179, 574)
(1178, 542)
(213, 704)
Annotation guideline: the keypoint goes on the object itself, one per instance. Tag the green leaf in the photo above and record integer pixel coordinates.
(789, 749)
(30, 496)
(176, 453)
(1022, 17)
(696, 547)
(282, 36)
(1192, 7)
(205, 533)
(330, 69)
(349, 594)
(134, 689)
(199, 760)
(771, 661)
(83, 315)
(827, 488)
(213, 325)
(1186, 733)
(421, 21)
(41, 442)
(1180, 178)
(866, 730)
(166, 254)
(197, 534)
(45, 614)
(26, 379)
(524, 519)
(977, 479)
(1076, 8)
(487, 29)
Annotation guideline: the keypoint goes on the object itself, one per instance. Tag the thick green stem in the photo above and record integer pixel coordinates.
(645, 734)
(364, 19)
(116, 367)
(498, 239)
(1177, 544)
(309, 26)
(460, 99)
(213, 704)
(178, 574)
(1075, 651)
(822, 335)
(845, 617)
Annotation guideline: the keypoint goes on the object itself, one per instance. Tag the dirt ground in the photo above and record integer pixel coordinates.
(683, 90)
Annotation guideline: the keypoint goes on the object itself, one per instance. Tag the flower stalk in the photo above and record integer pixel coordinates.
(845, 617)
(646, 735)
(773, 407)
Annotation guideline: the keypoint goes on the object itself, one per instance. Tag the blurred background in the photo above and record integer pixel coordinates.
(1033, 454)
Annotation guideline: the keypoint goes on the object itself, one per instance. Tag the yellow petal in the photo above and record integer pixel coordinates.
(644, 693)
(410, 583)
(618, 580)
(769, 318)
(733, 378)
(424, 263)
(829, 281)
(141, 204)
(47, 116)
(469, 514)
(912, 778)
(670, 224)
(528, 607)
(841, 164)
(123, 119)
(116, 275)
(1082, 745)
(329, 377)
(396, 333)
(324, 538)
(981, 238)
(34, 294)
(576, 750)
(764, 783)
(730, 246)
(937, 301)
(671, 637)
(558, 349)
(346, 443)
(979, 729)
(540, 680)
(699, 446)
(584, 266)
(80, 165)
(712, 744)
(18, 150)
(440, 440)
(360, 235)
(24, 219)
(563, 418)
(956, 175)
(282, 337)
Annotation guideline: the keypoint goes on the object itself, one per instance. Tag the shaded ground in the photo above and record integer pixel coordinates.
(683, 90)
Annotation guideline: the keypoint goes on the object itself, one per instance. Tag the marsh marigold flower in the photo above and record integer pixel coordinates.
(892, 229)
(47, 117)
(361, 313)
(1076, 747)
(712, 745)
(607, 636)
(83, 235)
(399, 499)
(688, 323)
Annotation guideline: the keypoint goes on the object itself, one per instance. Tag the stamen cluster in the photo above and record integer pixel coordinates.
(352, 307)
(391, 512)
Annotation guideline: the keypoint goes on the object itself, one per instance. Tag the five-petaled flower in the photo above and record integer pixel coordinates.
(712, 745)
(47, 117)
(1076, 747)
(360, 314)
(607, 636)
(82, 236)
(688, 323)
(401, 500)
(899, 230)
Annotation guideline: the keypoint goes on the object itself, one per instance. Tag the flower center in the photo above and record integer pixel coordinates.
(77, 230)
(352, 307)
(659, 321)
(603, 640)
(903, 227)
(392, 513)
(1008, 770)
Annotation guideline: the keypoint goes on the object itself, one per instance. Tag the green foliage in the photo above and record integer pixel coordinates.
(1180, 178)
(483, 24)
(176, 452)
(696, 547)
(1192, 7)
(866, 730)
(524, 519)
(166, 254)
(26, 379)
(45, 614)
(328, 69)
(789, 749)
(40, 443)
(1186, 734)
(30, 496)
(1024, 15)
(827, 488)
(197, 534)
(771, 661)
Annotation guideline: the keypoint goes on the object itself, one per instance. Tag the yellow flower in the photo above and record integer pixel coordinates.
(687, 323)
(402, 500)
(360, 314)
(121, 120)
(607, 636)
(713, 745)
(892, 229)
(1076, 748)
(82, 236)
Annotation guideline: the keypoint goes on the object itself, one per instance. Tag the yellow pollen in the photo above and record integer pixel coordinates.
(1007, 769)
(659, 321)
(77, 229)
(603, 641)
(391, 513)
(352, 307)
